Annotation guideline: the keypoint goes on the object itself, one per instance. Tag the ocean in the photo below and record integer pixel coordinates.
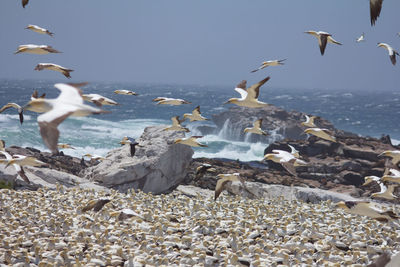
(369, 113)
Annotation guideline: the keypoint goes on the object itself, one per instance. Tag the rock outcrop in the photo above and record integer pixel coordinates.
(158, 165)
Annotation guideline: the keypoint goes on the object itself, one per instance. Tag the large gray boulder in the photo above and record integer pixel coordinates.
(158, 166)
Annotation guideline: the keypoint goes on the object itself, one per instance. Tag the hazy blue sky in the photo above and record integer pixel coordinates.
(207, 42)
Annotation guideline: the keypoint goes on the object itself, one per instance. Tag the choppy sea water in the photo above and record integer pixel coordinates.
(365, 113)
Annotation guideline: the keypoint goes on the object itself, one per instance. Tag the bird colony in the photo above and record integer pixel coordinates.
(79, 227)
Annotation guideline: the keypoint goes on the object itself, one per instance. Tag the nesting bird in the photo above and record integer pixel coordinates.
(190, 141)
(268, 63)
(224, 179)
(170, 101)
(17, 107)
(99, 100)
(36, 49)
(321, 133)
(20, 171)
(365, 208)
(391, 51)
(38, 29)
(323, 39)
(176, 125)
(394, 154)
(68, 103)
(256, 129)
(55, 67)
(361, 38)
(125, 92)
(195, 115)
(249, 96)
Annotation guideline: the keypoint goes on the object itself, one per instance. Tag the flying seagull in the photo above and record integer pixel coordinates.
(99, 100)
(176, 125)
(38, 29)
(195, 115)
(386, 192)
(96, 205)
(323, 39)
(309, 121)
(375, 7)
(55, 67)
(131, 142)
(391, 51)
(361, 38)
(20, 171)
(190, 141)
(16, 106)
(265, 64)
(394, 154)
(394, 176)
(224, 179)
(366, 208)
(256, 129)
(249, 96)
(68, 103)
(36, 49)
(170, 101)
(321, 133)
(24, 3)
(125, 92)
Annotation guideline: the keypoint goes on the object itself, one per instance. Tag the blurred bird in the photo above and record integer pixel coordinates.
(323, 39)
(190, 141)
(176, 125)
(366, 208)
(361, 38)
(38, 29)
(375, 7)
(99, 100)
(195, 115)
(16, 106)
(170, 101)
(68, 103)
(55, 67)
(265, 64)
(309, 121)
(124, 92)
(249, 96)
(256, 129)
(394, 154)
(224, 179)
(36, 49)
(321, 133)
(391, 51)
(20, 171)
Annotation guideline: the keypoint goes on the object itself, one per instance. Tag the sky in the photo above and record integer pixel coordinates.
(207, 42)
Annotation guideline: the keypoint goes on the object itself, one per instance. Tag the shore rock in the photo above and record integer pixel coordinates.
(158, 166)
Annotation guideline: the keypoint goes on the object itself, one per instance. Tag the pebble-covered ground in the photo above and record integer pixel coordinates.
(48, 228)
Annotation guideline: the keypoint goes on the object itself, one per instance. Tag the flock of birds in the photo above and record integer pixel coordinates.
(70, 102)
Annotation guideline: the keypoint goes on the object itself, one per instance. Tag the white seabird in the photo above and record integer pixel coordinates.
(16, 106)
(391, 51)
(68, 103)
(393, 177)
(38, 29)
(225, 178)
(321, 133)
(249, 96)
(99, 100)
(36, 49)
(55, 67)
(190, 141)
(323, 39)
(125, 92)
(20, 171)
(309, 121)
(361, 38)
(256, 129)
(176, 125)
(195, 115)
(386, 192)
(375, 7)
(365, 208)
(394, 154)
(170, 101)
(265, 64)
